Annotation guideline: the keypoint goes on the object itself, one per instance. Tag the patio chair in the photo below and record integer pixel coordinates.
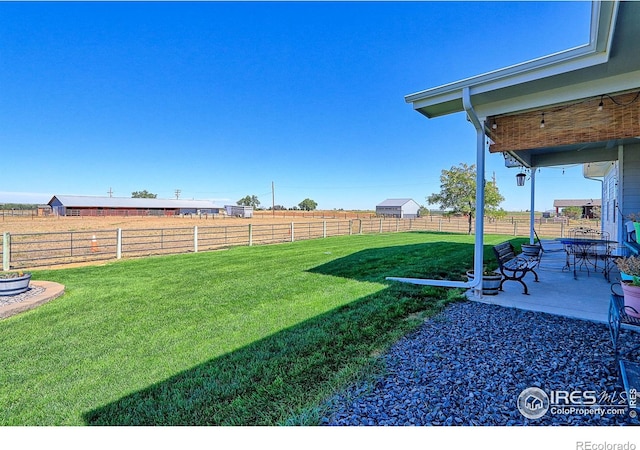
(569, 248)
(584, 254)
(631, 231)
(600, 252)
(630, 243)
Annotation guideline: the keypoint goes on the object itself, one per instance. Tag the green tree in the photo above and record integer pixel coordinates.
(307, 205)
(572, 212)
(458, 193)
(143, 194)
(249, 200)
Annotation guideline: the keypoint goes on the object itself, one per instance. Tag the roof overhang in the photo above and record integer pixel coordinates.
(492, 92)
(609, 63)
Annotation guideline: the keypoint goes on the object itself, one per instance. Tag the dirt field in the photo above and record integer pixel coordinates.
(55, 224)
(48, 241)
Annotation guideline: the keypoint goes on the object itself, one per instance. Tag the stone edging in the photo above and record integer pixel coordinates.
(47, 292)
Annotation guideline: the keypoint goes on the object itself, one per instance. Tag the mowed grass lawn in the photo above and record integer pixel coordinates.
(246, 336)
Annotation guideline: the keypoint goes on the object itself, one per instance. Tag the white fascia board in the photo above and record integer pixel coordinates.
(501, 74)
(593, 53)
(506, 78)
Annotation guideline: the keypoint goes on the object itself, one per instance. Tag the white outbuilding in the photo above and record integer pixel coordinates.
(401, 208)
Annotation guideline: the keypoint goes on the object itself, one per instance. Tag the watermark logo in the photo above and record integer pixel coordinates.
(533, 403)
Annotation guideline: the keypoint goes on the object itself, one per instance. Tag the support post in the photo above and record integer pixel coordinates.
(119, 243)
(6, 251)
(250, 234)
(324, 228)
(292, 233)
(195, 239)
(532, 218)
(478, 252)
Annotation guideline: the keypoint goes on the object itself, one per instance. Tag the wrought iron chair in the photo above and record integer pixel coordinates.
(600, 251)
(586, 254)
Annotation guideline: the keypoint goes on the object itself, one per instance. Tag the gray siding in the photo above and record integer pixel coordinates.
(631, 180)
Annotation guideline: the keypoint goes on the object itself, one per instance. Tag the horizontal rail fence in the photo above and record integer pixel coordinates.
(37, 249)
(23, 250)
(34, 212)
(213, 238)
(156, 241)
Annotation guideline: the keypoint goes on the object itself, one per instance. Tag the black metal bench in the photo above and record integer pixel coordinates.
(629, 368)
(514, 267)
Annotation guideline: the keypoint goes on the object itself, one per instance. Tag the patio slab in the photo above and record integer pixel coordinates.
(557, 292)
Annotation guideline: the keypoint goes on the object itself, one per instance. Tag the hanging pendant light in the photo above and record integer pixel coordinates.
(520, 178)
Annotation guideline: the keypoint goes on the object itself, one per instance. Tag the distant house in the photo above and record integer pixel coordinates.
(77, 205)
(402, 208)
(586, 205)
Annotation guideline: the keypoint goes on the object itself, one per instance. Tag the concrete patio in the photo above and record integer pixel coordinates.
(557, 292)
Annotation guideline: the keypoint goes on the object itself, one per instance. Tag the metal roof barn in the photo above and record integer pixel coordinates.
(403, 208)
(76, 205)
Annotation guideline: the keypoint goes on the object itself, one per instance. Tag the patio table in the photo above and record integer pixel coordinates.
(582, 248)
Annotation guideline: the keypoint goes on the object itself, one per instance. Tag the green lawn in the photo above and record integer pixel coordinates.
(246, 336)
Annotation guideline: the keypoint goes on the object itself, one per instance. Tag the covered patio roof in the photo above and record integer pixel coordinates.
(508, 105)
(605, 68)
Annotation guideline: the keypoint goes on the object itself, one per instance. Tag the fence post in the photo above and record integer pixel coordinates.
(292, 232)
(250, 234)
(195, 239)
(119, 243)
(350, 227)
(440, 224)
(324, 228)
(360, 227)
(380, 226)
(6, 251)
(515, 228)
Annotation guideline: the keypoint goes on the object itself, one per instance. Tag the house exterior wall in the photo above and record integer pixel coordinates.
(630, 174)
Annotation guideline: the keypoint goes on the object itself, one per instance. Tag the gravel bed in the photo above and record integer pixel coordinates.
(468, 365)
(11, 299)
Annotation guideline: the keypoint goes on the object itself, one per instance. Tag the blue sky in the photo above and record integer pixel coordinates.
(219, 100)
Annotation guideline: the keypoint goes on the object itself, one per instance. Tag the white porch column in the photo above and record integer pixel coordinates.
(532, 214)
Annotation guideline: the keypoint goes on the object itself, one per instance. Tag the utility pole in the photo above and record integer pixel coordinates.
(178, 193)
(110, 193)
